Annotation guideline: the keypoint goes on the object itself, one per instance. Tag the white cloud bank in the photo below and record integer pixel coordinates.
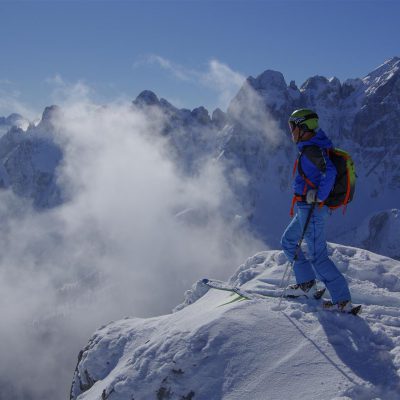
(134, 235)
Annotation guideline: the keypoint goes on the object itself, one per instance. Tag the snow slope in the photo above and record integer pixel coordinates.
(213, 348)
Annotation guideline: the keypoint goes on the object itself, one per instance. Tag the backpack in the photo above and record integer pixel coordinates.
(343, 189)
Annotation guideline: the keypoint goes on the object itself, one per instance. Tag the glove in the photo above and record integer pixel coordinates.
(311, 197)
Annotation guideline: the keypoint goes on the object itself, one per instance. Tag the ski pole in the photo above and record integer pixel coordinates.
(289, 265)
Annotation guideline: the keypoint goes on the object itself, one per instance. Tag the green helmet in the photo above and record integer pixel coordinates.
(305, 118)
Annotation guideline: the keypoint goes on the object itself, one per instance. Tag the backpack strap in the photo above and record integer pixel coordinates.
(316, 155)
(295, 166)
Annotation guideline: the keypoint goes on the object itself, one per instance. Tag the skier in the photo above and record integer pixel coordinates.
(314, 180)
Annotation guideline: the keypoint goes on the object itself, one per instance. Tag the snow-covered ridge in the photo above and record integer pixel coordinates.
(383, 73)
(214, 348)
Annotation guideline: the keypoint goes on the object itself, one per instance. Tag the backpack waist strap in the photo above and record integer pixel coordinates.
(295, 199)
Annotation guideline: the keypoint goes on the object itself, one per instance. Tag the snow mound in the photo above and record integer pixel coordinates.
(213, 347)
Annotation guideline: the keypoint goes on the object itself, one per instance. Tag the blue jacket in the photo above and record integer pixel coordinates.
(316, 166)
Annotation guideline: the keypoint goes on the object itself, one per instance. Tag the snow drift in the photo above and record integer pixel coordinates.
(213, 347)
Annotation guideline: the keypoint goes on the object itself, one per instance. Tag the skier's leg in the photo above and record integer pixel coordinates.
(302, 267)
(326, 270)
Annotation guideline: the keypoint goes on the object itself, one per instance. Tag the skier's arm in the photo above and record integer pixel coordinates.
(327, 180)
(320, 160)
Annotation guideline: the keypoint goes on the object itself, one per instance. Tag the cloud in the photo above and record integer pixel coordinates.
(133, 236)
(248, 109)
(223, 79)
(67, 93)
(218, 77)
(11, 101)
(178, 71)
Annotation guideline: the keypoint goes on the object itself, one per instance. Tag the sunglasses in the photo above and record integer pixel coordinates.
(292, 125)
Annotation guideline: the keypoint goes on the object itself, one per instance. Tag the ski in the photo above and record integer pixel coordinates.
(245, 295)
(219, 285)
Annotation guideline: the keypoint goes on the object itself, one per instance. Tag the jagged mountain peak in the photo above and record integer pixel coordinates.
(388, 65)
(13, 119)
(46, 124)
(219, 118)
(149, 98)
(267, 80)
(146, 98)
(293, 85)
(319, 82)
(50, 112)
(354, 83)
(384, 72)
(201, 115)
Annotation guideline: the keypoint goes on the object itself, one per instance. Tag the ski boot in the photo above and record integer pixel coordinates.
(306, 289)
(344, 306)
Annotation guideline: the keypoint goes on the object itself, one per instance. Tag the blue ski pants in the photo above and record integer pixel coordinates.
(318, 265)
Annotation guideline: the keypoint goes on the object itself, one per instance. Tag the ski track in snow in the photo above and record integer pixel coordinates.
(213, 347)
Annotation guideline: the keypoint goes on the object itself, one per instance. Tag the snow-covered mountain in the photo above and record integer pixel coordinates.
(251, 142)
(29, 159)
(192, 134)
(361, 116)
(17, 120)
(213, 347)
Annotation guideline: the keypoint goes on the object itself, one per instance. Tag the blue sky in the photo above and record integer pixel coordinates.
(190, 52)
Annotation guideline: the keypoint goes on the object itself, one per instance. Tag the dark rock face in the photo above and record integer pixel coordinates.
(376, 225)
(201, 115)
(219, 118)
